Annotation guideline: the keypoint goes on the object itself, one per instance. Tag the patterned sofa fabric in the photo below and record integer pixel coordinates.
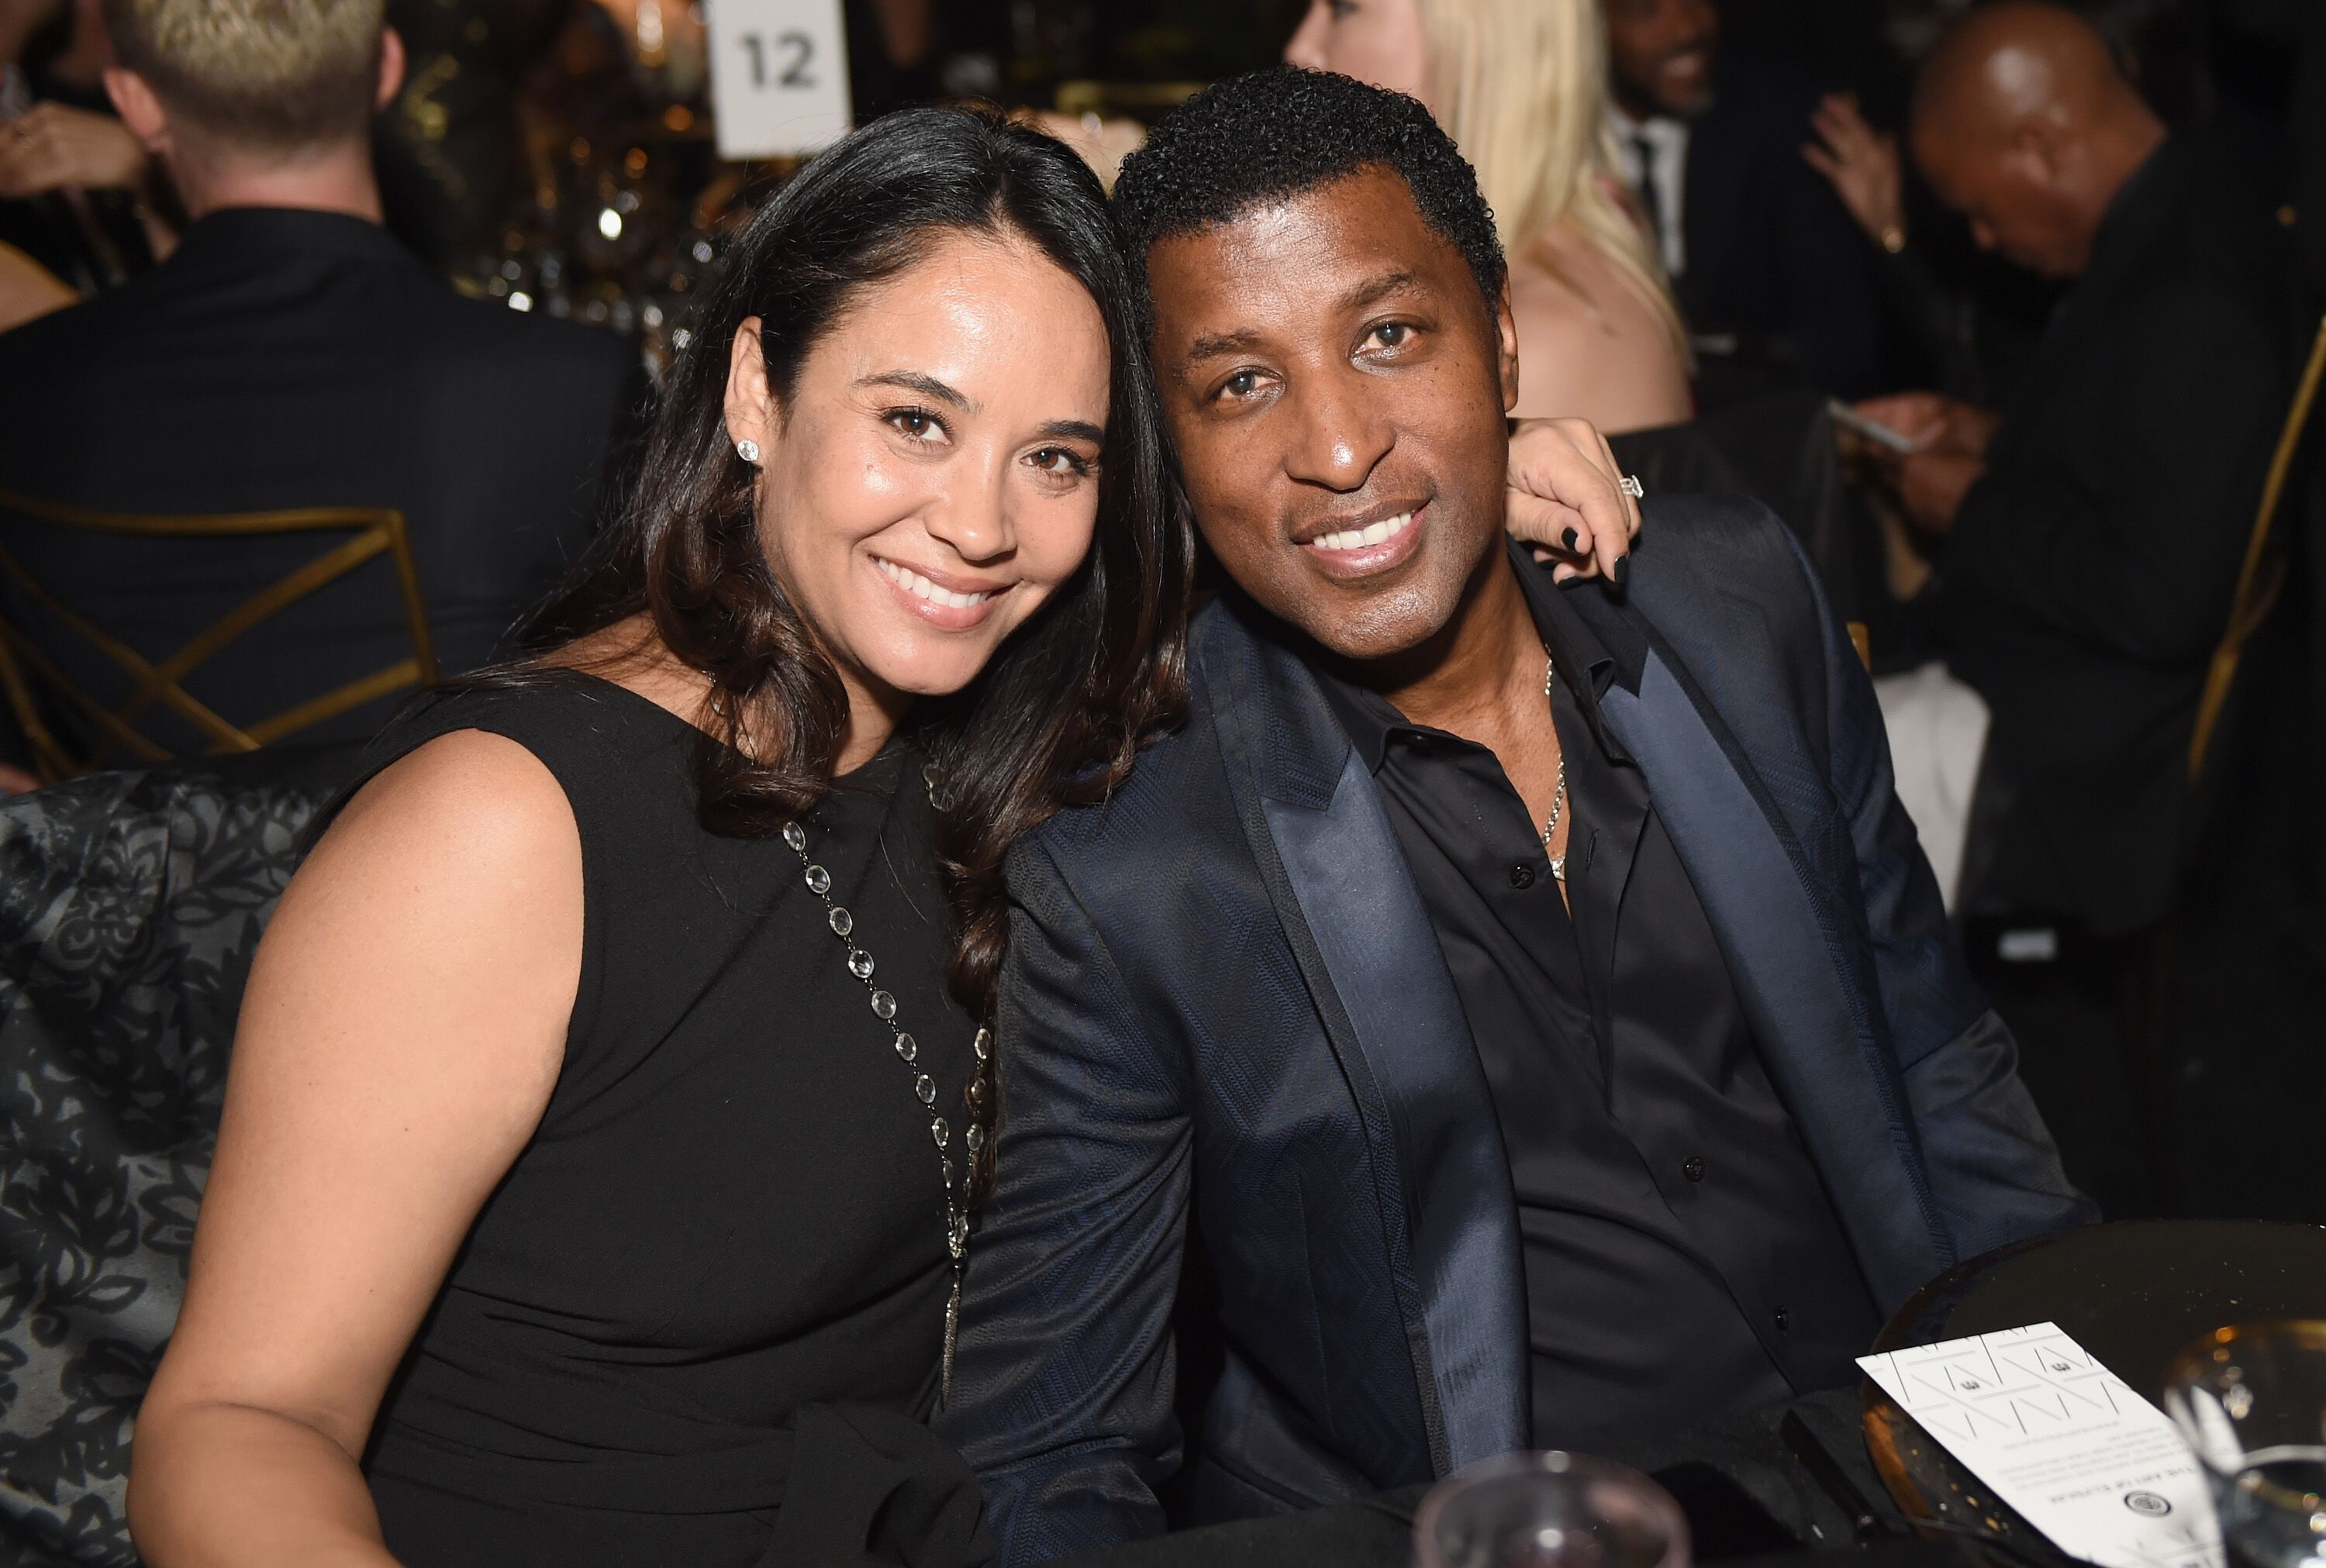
(130, 905)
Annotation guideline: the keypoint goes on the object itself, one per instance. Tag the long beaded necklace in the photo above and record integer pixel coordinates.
(925, 1088)
(1559, 799)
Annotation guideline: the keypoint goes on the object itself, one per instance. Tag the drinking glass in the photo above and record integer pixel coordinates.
(2251, 1400)
(1550, 1510)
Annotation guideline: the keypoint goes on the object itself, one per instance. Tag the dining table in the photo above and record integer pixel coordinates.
(1844, 1469)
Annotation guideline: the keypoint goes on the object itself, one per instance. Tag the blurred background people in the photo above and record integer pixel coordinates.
(78, 193)
(1771, 281)
(292, 354)
(1520, 87)
(2090, 533)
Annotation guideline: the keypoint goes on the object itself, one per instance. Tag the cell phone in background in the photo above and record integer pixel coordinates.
(1849, 418)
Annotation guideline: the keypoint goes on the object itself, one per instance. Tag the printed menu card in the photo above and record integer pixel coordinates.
(2061, 1439)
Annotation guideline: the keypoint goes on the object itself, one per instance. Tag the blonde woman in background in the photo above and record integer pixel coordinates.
(1521, 85)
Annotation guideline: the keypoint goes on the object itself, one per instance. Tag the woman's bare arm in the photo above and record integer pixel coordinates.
(403, 1027)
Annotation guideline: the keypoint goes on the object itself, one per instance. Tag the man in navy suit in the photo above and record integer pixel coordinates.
(1534, 995)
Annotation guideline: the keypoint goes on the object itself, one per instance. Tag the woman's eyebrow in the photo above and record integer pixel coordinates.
(928, 386)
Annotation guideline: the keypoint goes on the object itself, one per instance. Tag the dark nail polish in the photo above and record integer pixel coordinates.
(1571, 537)
(1622, 571)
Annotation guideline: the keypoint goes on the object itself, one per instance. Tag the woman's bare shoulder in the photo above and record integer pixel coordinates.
(1589, 346)
(445, 902)
(469, 818)
(465, 783)
(1564, 283)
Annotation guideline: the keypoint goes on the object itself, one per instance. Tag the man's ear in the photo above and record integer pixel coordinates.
(1506, 334)
(750, 405)
(391, 68)
(139, 109)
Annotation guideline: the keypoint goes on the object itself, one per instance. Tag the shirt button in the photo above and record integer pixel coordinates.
(1783, 1323)
(1521, 875)
(1694, 1169)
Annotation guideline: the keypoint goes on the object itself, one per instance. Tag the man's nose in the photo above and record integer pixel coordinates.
(1342, 434)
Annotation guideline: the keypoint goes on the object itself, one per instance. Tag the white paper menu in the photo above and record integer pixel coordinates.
(2061, 1439)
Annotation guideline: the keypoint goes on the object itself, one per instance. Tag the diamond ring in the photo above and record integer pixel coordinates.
(1630, 485)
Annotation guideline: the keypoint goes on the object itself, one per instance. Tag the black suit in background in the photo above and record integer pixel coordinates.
(2089, 573)
(1773, 258)
(296, 359)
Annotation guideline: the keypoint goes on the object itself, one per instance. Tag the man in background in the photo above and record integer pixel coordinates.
(291, 355)
(2090, 534)
(1773, 280)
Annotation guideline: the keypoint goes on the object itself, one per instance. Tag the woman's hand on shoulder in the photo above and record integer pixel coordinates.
(403, 1027)
(1565, 497)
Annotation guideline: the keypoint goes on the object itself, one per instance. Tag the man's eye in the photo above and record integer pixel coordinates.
(1243, 384)
(1391, 334)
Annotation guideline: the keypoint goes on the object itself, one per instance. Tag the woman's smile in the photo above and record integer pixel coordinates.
(941, 599)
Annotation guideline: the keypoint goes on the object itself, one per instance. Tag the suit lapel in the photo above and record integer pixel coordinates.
(1366, 946)
(1814, 1015)
(1613, 849)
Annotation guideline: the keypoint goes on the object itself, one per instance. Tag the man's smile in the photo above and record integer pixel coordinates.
(1365, 544)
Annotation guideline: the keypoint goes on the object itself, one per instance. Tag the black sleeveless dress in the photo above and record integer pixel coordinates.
(700, 1322)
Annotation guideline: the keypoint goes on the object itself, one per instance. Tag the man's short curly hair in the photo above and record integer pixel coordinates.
(1274, 134)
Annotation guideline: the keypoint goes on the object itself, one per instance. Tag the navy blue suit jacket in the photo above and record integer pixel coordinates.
(1223, 993)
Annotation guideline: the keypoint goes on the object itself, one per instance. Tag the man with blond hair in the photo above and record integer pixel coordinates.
(292, 354)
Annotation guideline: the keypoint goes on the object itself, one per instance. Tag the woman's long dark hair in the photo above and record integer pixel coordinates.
(1059, 714)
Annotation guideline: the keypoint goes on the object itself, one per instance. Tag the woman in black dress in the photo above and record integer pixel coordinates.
(609, 1095)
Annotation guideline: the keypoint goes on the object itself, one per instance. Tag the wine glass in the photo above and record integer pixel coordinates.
(2251, 1400)
(1550, 1510)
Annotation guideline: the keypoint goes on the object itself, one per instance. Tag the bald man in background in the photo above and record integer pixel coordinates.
(2088, 537)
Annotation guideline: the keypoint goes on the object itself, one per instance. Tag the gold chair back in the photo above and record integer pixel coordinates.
(27, 670)
(1861, 638)
(2263, 575)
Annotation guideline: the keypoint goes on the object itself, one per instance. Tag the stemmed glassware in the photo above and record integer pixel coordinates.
(1550, 1510)
(2251, 1400)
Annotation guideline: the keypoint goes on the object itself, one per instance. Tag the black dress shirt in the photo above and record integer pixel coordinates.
(1682, 1260)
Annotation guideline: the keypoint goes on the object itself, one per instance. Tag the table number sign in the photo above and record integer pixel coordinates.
(2064, 1441)
(779, 76)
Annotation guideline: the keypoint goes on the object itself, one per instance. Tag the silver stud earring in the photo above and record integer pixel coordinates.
(747, 451)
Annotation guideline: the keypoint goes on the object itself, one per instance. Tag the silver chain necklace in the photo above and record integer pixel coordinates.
(1559, 800)
(925, 1088)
